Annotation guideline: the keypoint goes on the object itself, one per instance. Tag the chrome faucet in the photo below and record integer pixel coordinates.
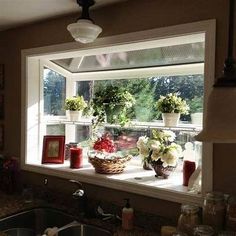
(80, 196)
(78, 192)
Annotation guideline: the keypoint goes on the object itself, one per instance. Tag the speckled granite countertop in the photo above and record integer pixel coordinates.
(12, 204)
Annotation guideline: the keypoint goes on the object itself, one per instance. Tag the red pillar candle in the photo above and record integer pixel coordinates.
(76, 158)
(188, 168)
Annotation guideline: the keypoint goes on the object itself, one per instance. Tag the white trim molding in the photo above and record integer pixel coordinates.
(34, 59)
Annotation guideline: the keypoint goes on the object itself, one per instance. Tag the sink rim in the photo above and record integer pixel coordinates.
(55, 210)
(25, 211)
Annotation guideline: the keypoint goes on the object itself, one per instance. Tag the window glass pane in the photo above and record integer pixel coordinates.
(55, 129)
(159, 56)
(54, 87)
(125, 139)
(82, 133)
(147, 91)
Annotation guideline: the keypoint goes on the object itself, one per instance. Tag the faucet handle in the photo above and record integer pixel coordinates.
(78, 193)
(106, 216)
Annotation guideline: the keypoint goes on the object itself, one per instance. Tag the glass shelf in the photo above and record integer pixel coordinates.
(133, 124)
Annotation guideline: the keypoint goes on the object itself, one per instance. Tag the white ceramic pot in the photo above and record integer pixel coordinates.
(170, 119)
(74, 115)
(197, 118)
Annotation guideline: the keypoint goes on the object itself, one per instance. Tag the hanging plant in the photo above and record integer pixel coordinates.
(112, 105)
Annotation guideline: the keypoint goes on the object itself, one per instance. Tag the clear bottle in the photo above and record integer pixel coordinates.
(188, 219)
(214, 209)
(203, 230)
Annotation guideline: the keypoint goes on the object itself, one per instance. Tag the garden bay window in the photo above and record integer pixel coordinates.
(147, 69)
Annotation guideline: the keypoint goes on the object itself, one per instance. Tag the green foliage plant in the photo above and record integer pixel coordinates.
(76, 103)
(172, 103)
(115, 100)
(196, 104)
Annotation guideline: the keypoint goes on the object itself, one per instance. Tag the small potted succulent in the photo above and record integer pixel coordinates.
(75, 107)
(112, 105)
(171, 106)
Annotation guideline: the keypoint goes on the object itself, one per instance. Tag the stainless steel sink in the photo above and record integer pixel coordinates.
(39, 219)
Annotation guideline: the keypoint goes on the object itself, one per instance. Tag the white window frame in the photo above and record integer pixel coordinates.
(33, 61)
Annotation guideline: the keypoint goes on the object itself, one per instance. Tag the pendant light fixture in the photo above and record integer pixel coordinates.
(84, 30)
(220, 120)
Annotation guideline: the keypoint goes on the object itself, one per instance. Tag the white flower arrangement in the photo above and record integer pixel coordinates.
(159, 148)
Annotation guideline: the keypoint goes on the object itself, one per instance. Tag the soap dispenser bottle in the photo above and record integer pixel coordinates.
(127, 216)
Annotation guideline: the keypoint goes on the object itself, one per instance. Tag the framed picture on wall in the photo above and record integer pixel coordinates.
(53, 149)
(2, 76)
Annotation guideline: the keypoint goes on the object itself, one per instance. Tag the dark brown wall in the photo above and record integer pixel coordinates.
(140, 203)
(129, 16)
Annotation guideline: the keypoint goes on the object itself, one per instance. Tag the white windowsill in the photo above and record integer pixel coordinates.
(134, 179)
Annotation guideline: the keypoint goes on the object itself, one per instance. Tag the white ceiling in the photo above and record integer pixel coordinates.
(14, 13)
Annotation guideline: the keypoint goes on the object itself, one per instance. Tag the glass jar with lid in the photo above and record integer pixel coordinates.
(214, 210)
(188, 219)
(203, 230)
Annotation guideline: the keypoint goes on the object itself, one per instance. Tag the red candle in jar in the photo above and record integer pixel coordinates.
(76, 158)
(188, 168)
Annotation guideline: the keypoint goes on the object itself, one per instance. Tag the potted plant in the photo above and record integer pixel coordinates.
(160, 151)
(196, 109)
(75, 107)
(111, 104)
(171, 106)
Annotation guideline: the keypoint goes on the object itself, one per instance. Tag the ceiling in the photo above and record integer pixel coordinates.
(15, 13)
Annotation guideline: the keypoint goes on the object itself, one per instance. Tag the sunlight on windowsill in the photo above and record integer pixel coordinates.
(134, 176)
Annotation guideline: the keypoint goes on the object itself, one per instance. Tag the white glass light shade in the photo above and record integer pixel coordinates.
(220, 119)
(84, 30)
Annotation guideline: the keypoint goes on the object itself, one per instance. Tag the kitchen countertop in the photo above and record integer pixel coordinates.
(12, 204)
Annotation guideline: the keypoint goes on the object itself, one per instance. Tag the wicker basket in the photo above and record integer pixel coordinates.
(109, 166)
